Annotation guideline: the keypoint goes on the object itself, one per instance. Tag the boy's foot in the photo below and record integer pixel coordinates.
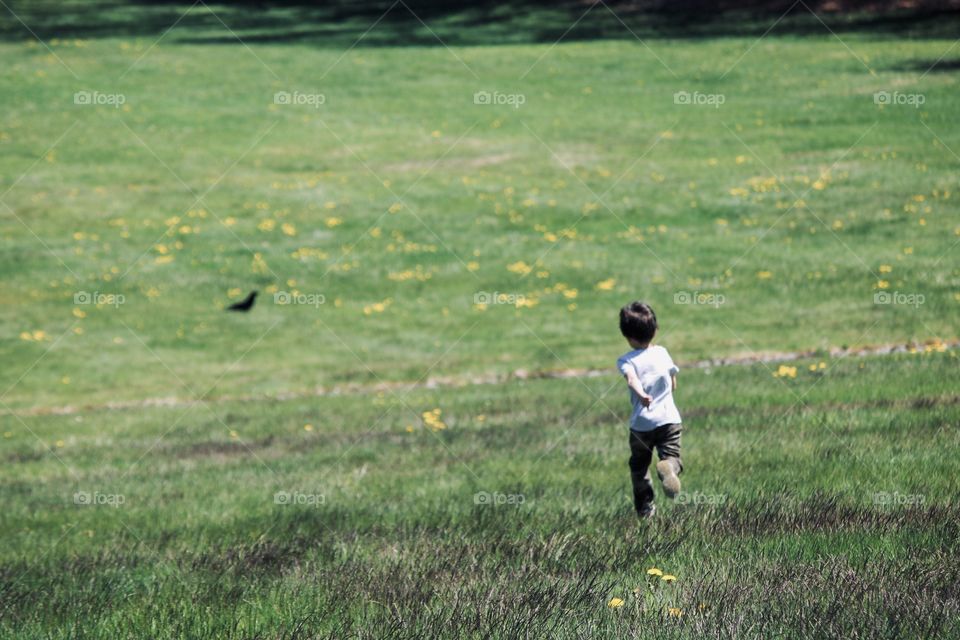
(668, 477)
(647, 512)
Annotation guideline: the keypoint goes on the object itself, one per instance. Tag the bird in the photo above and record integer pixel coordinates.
(244, 305)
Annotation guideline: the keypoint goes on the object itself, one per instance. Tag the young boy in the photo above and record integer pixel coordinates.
(655, 422)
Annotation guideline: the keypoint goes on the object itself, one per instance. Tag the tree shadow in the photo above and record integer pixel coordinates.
(341, 23)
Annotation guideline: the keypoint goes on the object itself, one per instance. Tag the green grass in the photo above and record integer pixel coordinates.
(817, 505)
(798, 519)
(486, 190)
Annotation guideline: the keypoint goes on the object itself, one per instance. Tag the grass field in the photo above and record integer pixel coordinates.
(422, 214)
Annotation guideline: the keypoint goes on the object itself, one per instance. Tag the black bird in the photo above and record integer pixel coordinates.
(244, 305)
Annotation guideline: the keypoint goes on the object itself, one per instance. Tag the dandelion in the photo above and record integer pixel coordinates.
(674, 612)
(785, 371)
(308, 427)
(881, 284)
(607, 285)
(885, 268)
(615, 603)
(668, 578)
(764, 275)
(653, 571)
(333, 221)
(520, 268)
(432, 419)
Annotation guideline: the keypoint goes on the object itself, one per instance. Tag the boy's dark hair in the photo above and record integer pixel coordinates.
(638, 321)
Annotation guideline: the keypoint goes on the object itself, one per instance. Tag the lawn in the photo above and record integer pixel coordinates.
(371, 451)
(820, 505)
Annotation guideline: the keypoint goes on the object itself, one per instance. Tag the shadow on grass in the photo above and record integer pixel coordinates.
(342, 23)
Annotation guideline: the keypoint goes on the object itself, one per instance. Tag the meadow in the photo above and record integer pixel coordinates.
(371, 451)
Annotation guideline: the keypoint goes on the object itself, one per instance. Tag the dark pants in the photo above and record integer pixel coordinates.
(666, 440)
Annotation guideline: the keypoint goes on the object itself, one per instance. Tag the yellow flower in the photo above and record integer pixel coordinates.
(607, 285)
(308, 427)
(520, 267)
(885, 268)
(615, 603)
(764, 275)
(333, 221)
(432, 419)
(674, 612)
(668, 578)
(784, 371)
(653, 571)
(882, 284)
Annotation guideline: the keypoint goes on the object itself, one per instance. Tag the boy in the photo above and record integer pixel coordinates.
(655, 422)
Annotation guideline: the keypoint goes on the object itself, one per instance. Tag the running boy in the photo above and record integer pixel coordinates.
(654, 422)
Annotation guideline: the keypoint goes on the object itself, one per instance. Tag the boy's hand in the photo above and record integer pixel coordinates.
(634, 383)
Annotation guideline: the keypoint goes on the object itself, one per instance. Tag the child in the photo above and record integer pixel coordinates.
(654, 422)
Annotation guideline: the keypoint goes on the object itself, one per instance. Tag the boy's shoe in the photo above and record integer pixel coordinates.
(668, 477)
(647, 512)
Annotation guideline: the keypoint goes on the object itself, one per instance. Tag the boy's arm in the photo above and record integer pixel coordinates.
(634, 383)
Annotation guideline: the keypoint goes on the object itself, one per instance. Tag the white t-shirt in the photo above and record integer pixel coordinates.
(653, 367)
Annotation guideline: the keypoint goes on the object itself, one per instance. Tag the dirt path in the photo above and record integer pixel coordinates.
(483, 379)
